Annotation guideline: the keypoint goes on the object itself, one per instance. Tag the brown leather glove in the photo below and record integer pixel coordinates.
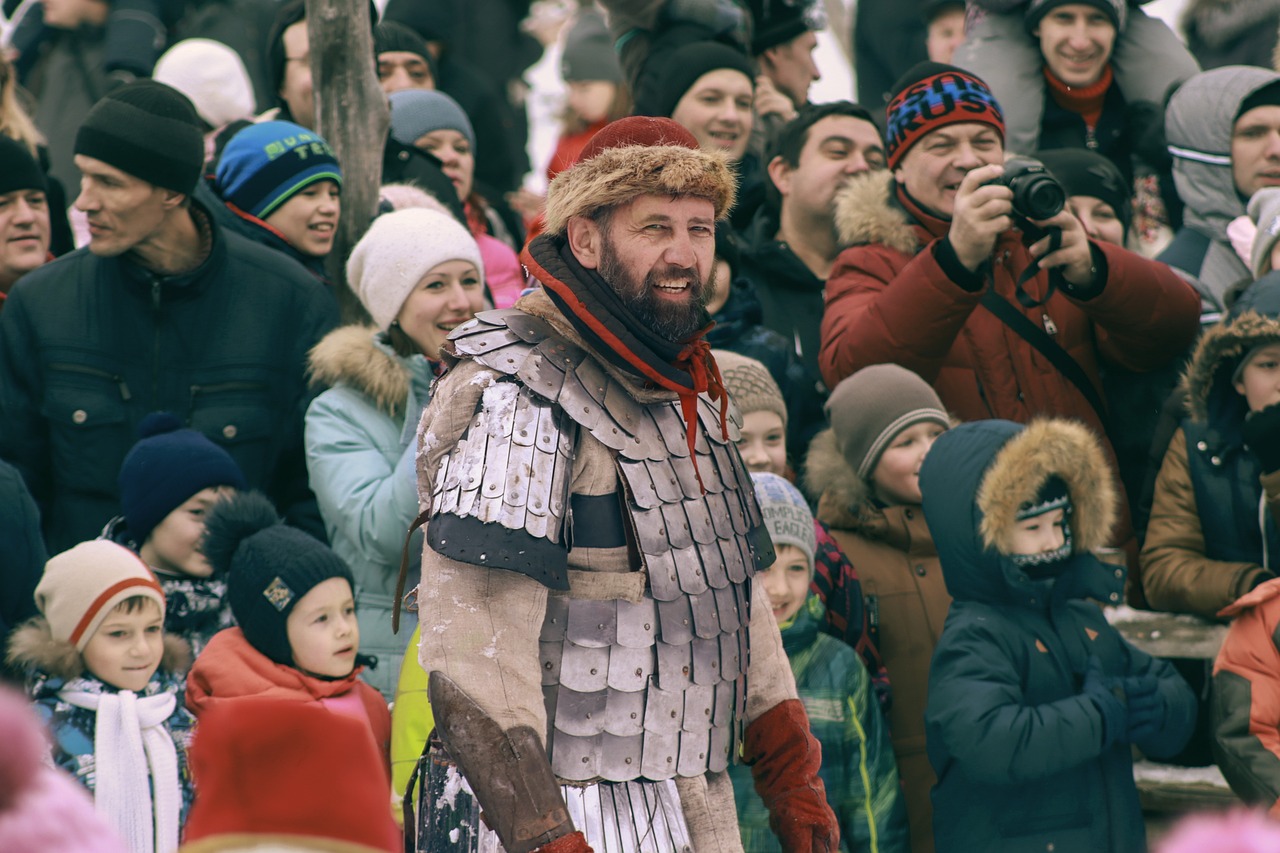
(784, 758)
(574, 842)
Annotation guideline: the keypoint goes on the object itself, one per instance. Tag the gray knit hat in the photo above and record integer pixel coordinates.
(786, 515)
(868, 409)
(750, 384)
(417, 112)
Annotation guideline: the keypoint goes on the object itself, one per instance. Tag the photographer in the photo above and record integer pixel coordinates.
(939, 278)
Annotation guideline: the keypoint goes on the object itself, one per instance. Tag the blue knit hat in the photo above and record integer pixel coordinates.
(417, 112)
(166, 468)
(265, 165)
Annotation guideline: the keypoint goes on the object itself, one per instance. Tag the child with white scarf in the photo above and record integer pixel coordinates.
(106, 680)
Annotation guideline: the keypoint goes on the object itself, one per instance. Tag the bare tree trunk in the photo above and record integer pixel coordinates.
(352, 116)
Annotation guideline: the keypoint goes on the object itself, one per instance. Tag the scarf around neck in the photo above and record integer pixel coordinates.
(597, 312)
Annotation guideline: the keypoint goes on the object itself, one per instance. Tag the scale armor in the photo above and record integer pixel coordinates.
(648, 689)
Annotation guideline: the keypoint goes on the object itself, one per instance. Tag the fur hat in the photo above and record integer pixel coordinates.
(398, 250)
(292, 775)
(635, 156)
(42, 809)
(148, 130)
(750, 384)
(212, 75)
(869, 409)
(786, 515)
(166, 467)
(933, 95)
(269, 568)
(80, 587)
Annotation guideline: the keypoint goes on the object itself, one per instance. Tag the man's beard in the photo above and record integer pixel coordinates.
(672, 320)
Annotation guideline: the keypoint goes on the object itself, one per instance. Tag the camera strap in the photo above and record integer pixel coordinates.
(1049, 348)
(1026, 300)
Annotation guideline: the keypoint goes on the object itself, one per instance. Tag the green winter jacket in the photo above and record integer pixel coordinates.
(858, 768)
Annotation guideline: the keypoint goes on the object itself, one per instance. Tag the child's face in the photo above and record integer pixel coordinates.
(1040, 533)
(322, 630)
(896, 478)
(787, 582)
(1260, 380)
(172, 546)
(763, 444)
(590, 99)
(126, 649)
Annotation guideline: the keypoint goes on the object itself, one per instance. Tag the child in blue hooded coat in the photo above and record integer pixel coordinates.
(1034, 700)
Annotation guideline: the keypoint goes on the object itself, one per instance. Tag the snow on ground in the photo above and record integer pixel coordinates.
(1169, 774)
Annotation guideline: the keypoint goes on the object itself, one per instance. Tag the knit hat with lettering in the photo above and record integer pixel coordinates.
(81, 586)
(933, 95)
(869, 409)
(148, 130)
(750, 384)
(166, 468)
(269, 567)
(266, 164)
(786, 515)
(398, 250)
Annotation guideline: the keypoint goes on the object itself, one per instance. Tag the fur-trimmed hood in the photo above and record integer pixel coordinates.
(867, 212)
(1254, 320)
(354, 356)
(974, 480)
(32, 646)
(829, 477)
(617, 175)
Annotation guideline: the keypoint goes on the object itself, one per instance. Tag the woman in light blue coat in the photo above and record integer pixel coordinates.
(419, 274)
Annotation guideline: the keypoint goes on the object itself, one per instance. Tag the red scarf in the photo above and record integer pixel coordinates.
(1085, 101)
(596, 312)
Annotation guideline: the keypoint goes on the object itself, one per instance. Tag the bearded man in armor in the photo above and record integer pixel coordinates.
(598, 653)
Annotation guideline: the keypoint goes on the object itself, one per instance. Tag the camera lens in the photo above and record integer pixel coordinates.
(1039, 197)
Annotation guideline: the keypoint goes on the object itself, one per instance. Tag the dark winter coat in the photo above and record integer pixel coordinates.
(1209, 540)
(90, 345)
(22, 556)
(1231, 32)
(67, 79)
(1017, 747)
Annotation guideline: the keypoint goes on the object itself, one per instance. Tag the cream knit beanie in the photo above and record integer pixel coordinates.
(398, 250)
(81, 586)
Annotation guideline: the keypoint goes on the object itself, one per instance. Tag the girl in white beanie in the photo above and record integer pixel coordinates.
(419, 274)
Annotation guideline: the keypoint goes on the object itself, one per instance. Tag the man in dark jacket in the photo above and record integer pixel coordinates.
(162, 311)
(792, 242)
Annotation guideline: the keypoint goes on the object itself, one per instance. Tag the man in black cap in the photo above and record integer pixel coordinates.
(24, 214)
(163, 310)
(783, 37)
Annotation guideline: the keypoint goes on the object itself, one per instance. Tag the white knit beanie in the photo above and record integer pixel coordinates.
(398, 250)
(81, 586)
(212, 75)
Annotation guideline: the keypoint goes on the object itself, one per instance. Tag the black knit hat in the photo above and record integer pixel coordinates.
(18, 169)
(269, 567)
(775, 22)
(148, 130)
(588, 50)
(684, 66)
(393, 37)
(1085, 172)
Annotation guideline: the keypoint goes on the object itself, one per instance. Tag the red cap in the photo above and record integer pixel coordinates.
(638, 130)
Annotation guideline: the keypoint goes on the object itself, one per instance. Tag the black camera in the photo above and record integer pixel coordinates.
(1036, 193)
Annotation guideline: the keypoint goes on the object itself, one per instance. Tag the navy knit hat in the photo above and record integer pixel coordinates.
(166, 468)
(269, 568)
(266, 164)
(18, 169)
(417, 112)
(148, 130)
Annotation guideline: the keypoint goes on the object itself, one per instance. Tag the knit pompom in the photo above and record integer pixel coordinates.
(158, 423)
(230, 522)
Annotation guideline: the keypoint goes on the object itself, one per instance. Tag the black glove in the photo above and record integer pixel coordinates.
(1262, 435)
(1098, 687)
(1145, 706)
